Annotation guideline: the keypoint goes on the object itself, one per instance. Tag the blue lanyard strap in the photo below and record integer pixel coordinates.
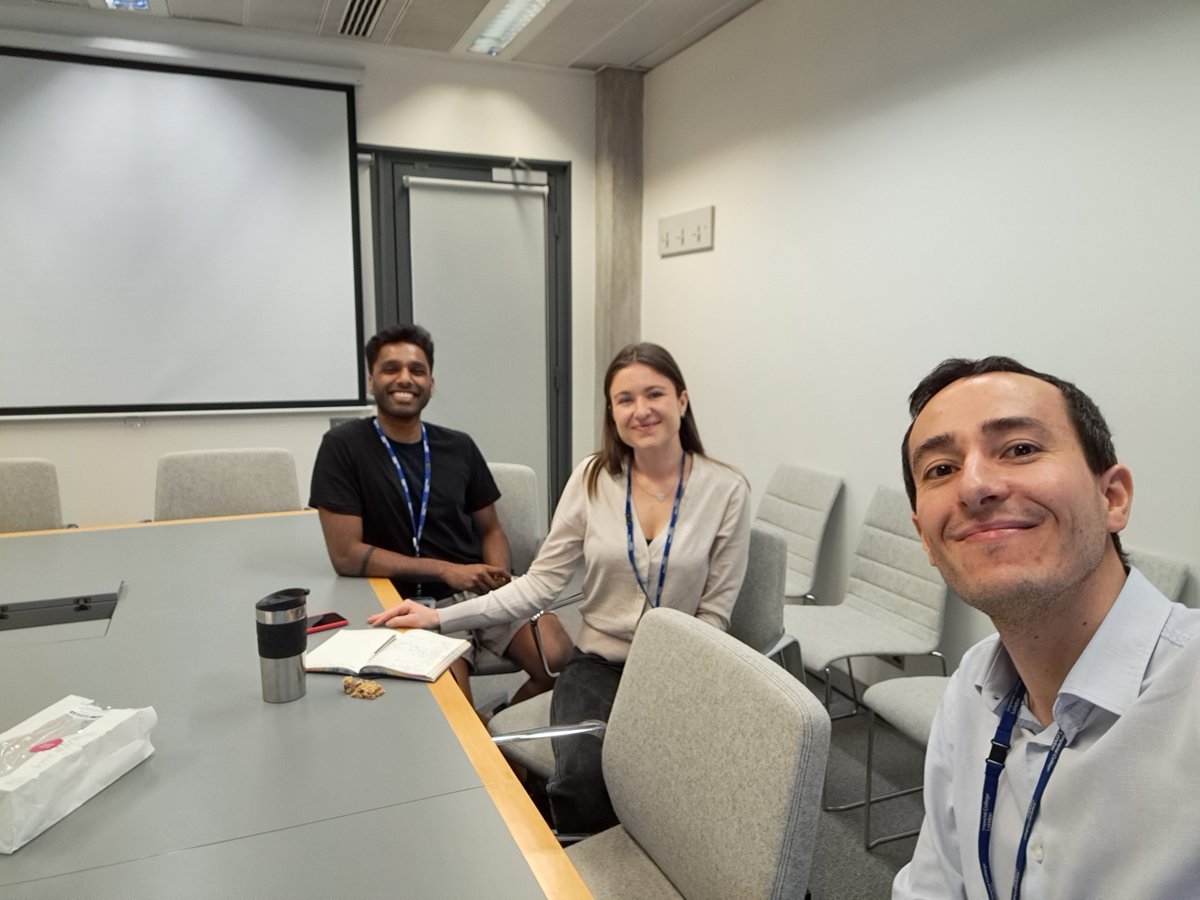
(418, 522)
(662, 571)
(993, 766)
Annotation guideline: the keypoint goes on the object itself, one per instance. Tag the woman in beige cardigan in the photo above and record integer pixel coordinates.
(654, 522)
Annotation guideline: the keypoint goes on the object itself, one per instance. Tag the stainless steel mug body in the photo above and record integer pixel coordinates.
(281, 619)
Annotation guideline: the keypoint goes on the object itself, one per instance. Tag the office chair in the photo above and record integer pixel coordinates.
(1168, 575)
(692, 703)
(909, 705)
(894, 602)
(798, 503)
(757, 617)
(29, 499)
(523, 522)
(757, 621)
(195, 484)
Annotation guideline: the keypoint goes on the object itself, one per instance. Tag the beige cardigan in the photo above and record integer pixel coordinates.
(704, 572)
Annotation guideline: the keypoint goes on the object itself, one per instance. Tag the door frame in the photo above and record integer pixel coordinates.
(391, 225)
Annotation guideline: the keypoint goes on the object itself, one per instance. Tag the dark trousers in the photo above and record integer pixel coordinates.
(585, 689)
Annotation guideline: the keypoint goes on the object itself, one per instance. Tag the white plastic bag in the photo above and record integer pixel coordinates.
(56, 760)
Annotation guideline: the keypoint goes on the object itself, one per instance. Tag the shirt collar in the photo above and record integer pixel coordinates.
(1110, 670)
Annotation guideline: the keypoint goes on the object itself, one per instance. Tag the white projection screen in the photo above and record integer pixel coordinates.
(174, 239)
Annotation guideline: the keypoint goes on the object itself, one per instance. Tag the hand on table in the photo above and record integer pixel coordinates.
(406, 614)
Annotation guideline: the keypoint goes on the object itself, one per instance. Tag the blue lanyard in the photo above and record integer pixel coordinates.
(993, 766)
(418, 523)
(662, 571)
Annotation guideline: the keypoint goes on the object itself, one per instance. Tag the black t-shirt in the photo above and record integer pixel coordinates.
(353, 474)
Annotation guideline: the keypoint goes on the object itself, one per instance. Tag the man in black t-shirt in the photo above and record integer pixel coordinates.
(414, 502)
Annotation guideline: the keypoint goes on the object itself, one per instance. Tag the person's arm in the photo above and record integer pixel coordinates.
(492, 537)
(555, 564)
(936, 868)
(351, 556)
(727, 561)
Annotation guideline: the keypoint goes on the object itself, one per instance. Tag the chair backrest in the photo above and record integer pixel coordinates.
(29, 498)
(890, 575)
(714, 759)
(757, 618)
(519, 512)
(798, 502)
(195, 484)
(1166, 574)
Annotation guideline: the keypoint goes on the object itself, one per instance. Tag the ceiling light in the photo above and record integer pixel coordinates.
(507, 24)
(131, 5)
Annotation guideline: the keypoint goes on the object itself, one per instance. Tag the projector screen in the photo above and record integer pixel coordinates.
(174, 239)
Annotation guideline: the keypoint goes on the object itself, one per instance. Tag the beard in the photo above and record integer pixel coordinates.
(1021, 594)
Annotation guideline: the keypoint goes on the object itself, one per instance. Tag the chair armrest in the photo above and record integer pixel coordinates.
(537, 634)
(587, 726)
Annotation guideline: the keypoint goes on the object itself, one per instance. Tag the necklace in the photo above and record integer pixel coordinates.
(655, 494)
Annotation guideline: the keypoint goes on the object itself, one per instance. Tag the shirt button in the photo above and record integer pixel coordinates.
(1039, 853)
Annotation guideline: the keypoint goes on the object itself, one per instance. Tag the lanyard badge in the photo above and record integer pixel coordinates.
(662, 572)
(993, 766)
(418, 519)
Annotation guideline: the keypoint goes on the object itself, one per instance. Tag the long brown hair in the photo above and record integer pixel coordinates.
(614, 454)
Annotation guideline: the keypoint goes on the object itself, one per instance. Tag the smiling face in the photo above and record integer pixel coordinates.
(1006, 505)
(401, 381)
(645, 408)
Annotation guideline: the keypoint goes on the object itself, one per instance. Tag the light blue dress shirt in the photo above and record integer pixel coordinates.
(1121, 814)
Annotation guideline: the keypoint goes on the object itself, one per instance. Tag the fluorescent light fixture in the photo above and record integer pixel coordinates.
(507, 24)
(130, 5)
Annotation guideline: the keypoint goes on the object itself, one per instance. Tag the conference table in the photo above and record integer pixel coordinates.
(326, 796)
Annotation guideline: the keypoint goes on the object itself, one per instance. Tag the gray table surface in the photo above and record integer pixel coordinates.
(322, 797)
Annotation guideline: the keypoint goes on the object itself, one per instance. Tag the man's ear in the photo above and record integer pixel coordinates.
(1116, 487)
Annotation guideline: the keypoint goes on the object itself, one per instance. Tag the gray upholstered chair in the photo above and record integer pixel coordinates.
(1168, 575)
(757, 621)
(894, 603)
(523, 519)
(757, 618)
(195, 484)
(29, 498)
(909, 704)
(523, 522)
(798, 502)
(692, 700)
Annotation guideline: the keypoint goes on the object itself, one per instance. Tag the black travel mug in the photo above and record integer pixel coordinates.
(282, 621)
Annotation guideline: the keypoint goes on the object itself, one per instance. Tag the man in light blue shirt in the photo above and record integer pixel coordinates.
(1065, 759)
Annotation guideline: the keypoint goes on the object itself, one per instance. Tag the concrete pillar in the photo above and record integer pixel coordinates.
(618, 214)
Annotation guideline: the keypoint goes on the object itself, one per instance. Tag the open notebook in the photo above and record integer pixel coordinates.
(370, 652)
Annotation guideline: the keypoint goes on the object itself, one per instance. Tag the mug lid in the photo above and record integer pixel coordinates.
(288, 598)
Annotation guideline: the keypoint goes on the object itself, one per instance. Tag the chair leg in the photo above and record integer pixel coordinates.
(853, 695)
(787, 654)
(868, 800)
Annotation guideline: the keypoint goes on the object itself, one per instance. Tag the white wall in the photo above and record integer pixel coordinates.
(896, 183)
(411, 100)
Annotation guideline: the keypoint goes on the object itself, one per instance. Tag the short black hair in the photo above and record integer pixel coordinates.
(1089, 424)
(399, 334)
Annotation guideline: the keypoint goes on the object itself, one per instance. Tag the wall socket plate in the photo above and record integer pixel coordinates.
(687, 232)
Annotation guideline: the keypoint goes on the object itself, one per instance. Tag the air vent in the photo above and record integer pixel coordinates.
(360, 17)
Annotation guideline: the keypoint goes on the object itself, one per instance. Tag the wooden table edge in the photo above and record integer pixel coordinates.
(546, 858)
